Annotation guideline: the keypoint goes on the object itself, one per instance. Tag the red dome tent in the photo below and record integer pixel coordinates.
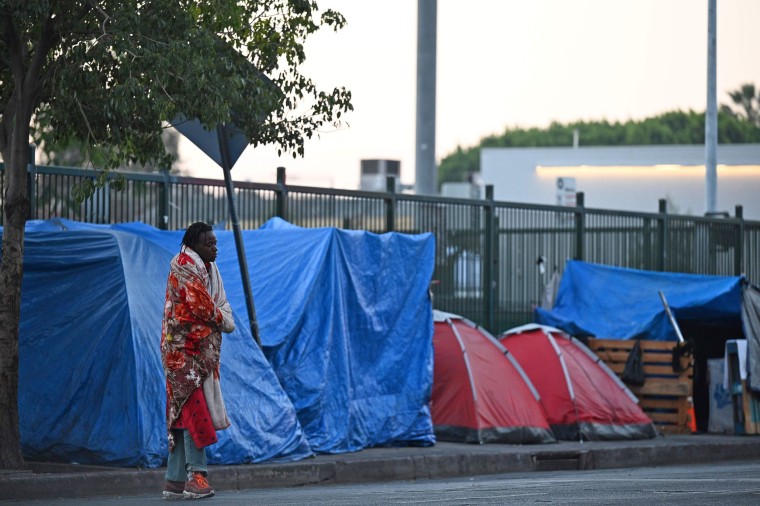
(581, 396)
(480, 393)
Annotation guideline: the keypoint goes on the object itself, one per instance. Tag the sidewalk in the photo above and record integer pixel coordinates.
(443, 460)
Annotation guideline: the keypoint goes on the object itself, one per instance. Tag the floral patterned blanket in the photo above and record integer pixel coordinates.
(196, 312)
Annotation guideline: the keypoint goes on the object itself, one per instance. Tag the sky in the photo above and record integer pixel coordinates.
(502, 64)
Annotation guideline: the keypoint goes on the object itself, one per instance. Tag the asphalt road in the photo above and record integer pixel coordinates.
(734, 483)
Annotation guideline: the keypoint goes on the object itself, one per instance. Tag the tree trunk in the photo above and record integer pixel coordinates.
(16, 209)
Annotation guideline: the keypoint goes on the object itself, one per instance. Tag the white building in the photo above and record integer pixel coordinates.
(374, 174)
(631, 178)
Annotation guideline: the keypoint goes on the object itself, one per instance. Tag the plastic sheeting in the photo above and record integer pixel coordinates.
(347, 325)
(345, 320)
(91, 382)
(618, 303)
(751, 322)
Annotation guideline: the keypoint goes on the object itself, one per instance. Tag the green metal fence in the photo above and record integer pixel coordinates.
(494, 260)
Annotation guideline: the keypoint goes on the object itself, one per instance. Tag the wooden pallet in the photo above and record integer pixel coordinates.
(666, 395)
(746, 403)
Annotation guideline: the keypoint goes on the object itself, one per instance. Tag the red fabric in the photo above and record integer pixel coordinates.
(475, 386)
(599, 398)
(196, 418)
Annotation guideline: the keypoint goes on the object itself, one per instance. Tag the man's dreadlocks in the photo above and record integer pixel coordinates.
(194, 231)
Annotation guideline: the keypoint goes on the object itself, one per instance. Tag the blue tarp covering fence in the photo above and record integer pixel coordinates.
(345, 320)
(357, 358)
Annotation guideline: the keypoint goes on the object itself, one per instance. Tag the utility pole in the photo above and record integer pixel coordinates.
(425, 170)
(711, 113)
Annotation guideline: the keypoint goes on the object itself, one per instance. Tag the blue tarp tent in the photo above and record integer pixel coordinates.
(91, 386)
(353, 348)
(349, 331)
(619, 303)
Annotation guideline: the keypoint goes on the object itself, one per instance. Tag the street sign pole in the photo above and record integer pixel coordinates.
(226, 166)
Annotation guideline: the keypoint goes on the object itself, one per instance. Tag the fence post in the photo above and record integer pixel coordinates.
(390, 204)
(739, 247)
(647, 262)
(282, 194)
(488, 260)
(31, 182)
(662, 257)
(580, 225)
(163, 201)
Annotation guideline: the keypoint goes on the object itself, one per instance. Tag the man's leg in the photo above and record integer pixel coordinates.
(195, 458)
(175, 464)
(176, 475)
(197, 486)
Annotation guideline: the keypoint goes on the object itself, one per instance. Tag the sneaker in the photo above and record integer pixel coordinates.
(174, 490)
(197, 487)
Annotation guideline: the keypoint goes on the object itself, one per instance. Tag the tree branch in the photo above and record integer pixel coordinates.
(7, 121)
(15, 58)
(168, 95)
(90, 133)
(48, 38)
(16, 64)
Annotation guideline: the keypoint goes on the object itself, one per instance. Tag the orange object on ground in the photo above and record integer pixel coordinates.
(692, 418)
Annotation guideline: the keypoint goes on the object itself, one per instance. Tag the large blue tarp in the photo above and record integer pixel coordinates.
(619, 303)
(344, 317)
(91, 385)
(356, 357)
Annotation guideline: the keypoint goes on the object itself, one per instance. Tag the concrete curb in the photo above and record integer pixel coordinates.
(444, 460)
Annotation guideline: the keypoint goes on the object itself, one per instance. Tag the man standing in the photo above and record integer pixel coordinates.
(196, 312)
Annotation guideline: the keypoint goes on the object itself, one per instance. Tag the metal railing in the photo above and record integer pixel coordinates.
(493, 259)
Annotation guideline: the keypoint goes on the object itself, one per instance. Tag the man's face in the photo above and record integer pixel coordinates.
(205, 246)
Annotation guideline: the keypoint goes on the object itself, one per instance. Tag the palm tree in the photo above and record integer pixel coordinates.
(748, 99)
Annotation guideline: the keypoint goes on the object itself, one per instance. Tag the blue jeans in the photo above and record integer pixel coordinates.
(185, 458)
